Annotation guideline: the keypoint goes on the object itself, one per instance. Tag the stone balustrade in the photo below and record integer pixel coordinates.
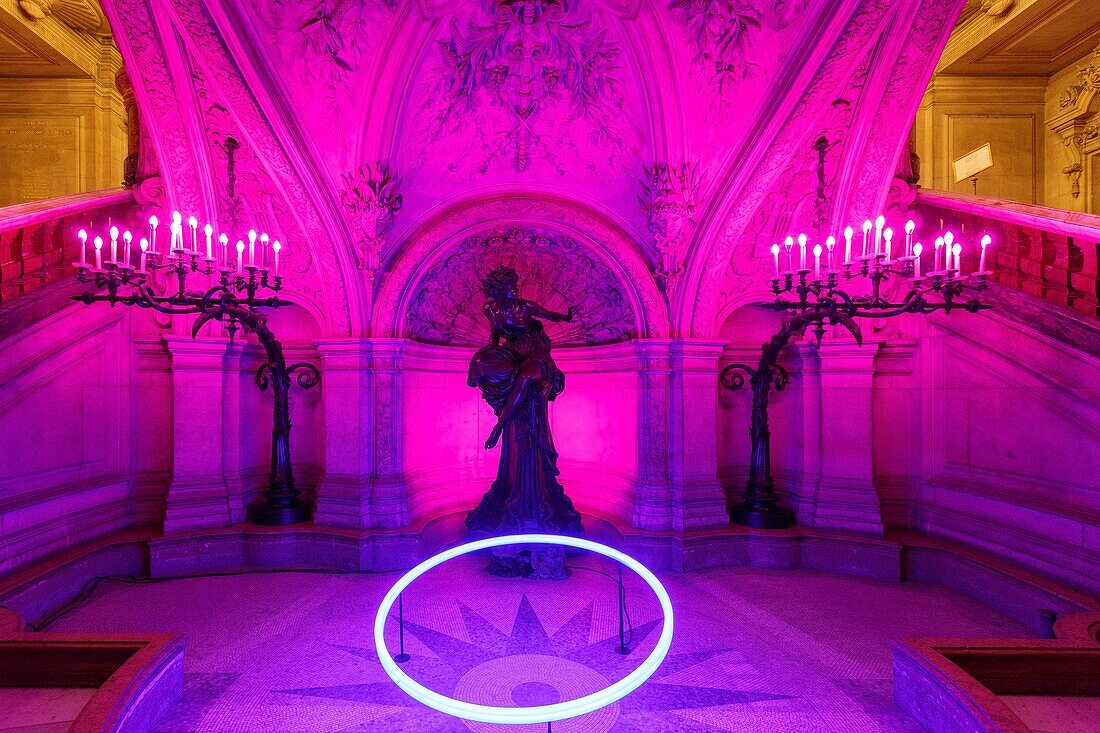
(1048, 253)
(38, 243)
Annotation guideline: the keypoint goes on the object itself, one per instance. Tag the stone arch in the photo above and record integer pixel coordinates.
(457, 240)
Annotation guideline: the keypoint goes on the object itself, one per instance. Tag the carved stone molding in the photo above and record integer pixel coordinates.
(555, 271)
(670, 195)
(371, 198)
(80, 15)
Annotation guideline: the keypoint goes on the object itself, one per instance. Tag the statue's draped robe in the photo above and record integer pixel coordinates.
(526, 495)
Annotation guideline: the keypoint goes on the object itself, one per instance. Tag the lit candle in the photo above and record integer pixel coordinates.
(848, 244)
(958, 257)
(917, 249)
(275, 247)
(830, 242)
(252, 247)
(144, 245)
(788, 243)
(209, 232)
(153, 222)
(866, 231)
(127, 238)
(775, 254)
(224, 240)
(240, 255)
(948, 239)
(888, 238)
(114, 244)
(98, 242)
(177, 231)
(909, 229)
(177, 238)
(879, 223)
(986, 240)
(936, 260)
(83, 236)
(801, 251)
(817, 261)
(194, 224)
(263, 249)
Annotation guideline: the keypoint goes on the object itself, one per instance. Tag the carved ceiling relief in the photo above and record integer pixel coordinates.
(722, 33)
(532, 71)
(555, 271)
(371, 198)
(773, 155)
(669, 198)
(265, 186)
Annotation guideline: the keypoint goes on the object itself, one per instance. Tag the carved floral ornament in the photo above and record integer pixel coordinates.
(554, 270)
(371, 198)
(670, 195)
(540, 64)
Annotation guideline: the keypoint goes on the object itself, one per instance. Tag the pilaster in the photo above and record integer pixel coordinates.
(653, 490)
(846, 498)
(197, 496)
(343, 497)
(697, 496)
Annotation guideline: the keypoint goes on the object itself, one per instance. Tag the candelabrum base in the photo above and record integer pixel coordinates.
(280, 516)
(766, 517)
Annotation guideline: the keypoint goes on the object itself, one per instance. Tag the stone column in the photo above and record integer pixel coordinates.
(653, 497)
(389, 495)
(343, 497)
(697, 497)
(197, 495)
(846, 498)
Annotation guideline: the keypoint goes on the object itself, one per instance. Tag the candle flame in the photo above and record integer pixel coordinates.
(208, 230)
(193, 222)
(154, 221)
(127, 237)
(817, 250)
(144, 244)
(775, 249)
(240, 245)
(948, 238)
(917, 249)
(830, 242)
(880, 222)
(98, 242)
(801, 240)
(986, 241)
(867, 226)
(910, 226)
(848, 232)
(114, 232)
(83, 235)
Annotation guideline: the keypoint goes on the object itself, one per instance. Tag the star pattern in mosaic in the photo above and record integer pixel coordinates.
(454, 662)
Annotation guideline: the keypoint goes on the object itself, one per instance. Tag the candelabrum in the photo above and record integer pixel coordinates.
(233, 295)
(812, 298)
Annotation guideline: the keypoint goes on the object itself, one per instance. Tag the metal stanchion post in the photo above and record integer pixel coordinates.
(622, 648)
(402, 657)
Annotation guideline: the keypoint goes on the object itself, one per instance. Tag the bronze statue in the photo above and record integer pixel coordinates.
(517, 376)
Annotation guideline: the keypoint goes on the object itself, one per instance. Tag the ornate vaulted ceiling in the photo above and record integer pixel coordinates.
(694, 131)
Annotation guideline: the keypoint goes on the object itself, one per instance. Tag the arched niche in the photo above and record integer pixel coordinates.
(564, 251)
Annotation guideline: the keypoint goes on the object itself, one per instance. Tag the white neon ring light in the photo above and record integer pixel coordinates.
(539, 713)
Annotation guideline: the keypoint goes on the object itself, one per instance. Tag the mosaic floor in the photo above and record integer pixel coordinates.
(753, 650)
